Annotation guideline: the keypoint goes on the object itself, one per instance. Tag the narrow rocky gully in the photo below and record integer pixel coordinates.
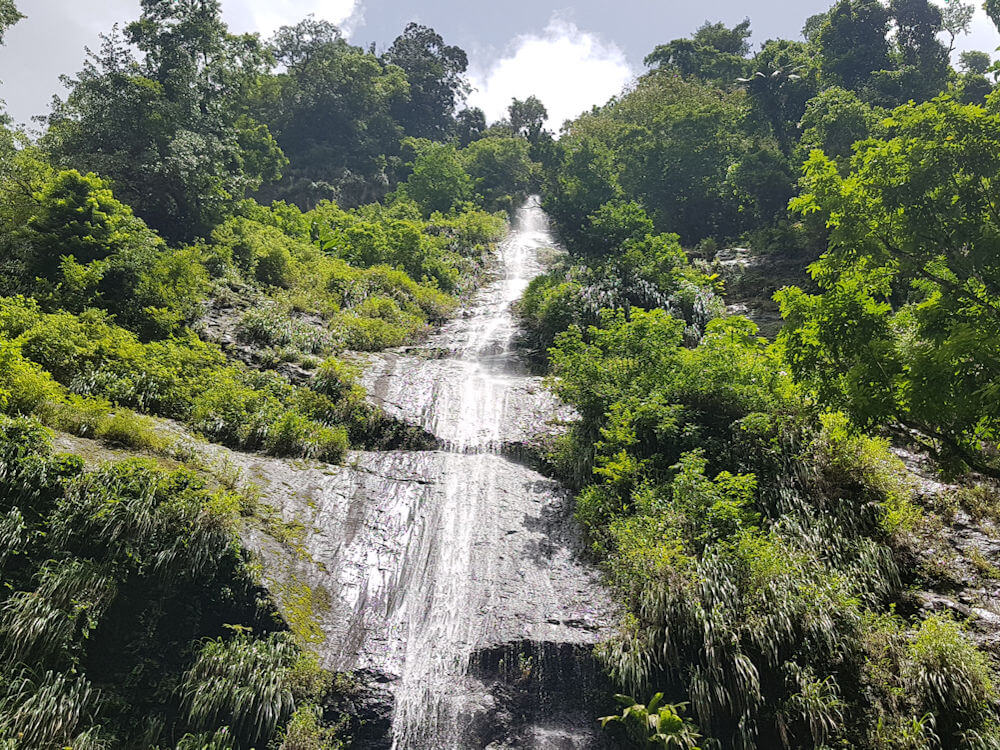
(450, 582)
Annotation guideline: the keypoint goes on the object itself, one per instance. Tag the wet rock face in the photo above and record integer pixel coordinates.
(450, 581)
(959, 553)
(476, 548)
(511, 407)
(752, 279)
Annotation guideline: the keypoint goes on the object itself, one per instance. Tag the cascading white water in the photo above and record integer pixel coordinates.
(430, 573)
(445, 609)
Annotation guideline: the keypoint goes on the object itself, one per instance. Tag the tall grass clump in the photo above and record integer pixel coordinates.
(126, 610)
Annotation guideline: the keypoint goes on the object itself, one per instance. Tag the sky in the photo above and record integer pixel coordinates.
(571, 56)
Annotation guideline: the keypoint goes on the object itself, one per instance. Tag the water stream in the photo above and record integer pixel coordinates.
(446, 610)
(451, 577)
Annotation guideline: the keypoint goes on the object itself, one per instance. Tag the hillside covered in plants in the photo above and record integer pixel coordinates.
(774, 314)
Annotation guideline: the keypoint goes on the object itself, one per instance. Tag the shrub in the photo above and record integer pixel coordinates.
(336, 379)
(268, 326)
(182, 378)
(305, 732)
(117, 578)
(274, 267)
(78, 415)
(127, 429)
(952, 678)
(24, 386)
(365, 334)
(293, 434)
(241, 683)
(851, 458)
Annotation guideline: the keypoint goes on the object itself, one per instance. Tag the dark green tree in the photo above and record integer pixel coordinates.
(331, 111)
(714, 53)
(170, 129)
(833, 122)
(527, 118)
(852, 43)
(973, 86)
(294, 46)
(992, 8)
(470, 124)
(436, 72)
(973, 61)
(923, 58)
(784, 77)
(9, 15)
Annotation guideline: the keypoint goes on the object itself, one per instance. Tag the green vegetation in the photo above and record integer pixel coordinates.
(123, 587)
(194, 187)
(743, 495)
(905, 326)
(208, 223)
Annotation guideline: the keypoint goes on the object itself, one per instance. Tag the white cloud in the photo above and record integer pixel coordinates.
(568, 69)
(266, 16)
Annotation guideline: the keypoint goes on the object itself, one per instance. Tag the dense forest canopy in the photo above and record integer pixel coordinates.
(210, 221)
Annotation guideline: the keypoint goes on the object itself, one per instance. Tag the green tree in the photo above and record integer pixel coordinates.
(9, 15)
(973, 61)
(91, 250)
(501, 170)
(906, 327)
(78, 215)
(439, 180)
(676, 145)
(992, 8)
(331, 110)
(171, 129)
(852, 43)
(668, 144)
(923, 58)
(585, 175)
(470, 124)
(833, 122)
(436, 73)
(714, 53)
(973, 86)
(527, 117)
(784, 77)
(956, 19)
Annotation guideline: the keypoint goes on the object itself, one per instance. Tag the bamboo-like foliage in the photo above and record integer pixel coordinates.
(159, 523)
(40, 626)
(815, 703)
(743, 620)
(49, 710)
(13, 534)
(221, 739)
(242, 683)
(99, 577)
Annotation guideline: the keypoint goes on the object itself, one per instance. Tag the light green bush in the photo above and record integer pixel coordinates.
(851, 457)
(24, 386)
(126, 429)
(77, 415)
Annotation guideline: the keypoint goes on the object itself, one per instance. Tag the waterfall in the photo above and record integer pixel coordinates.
(452, 578)
(446, 608)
